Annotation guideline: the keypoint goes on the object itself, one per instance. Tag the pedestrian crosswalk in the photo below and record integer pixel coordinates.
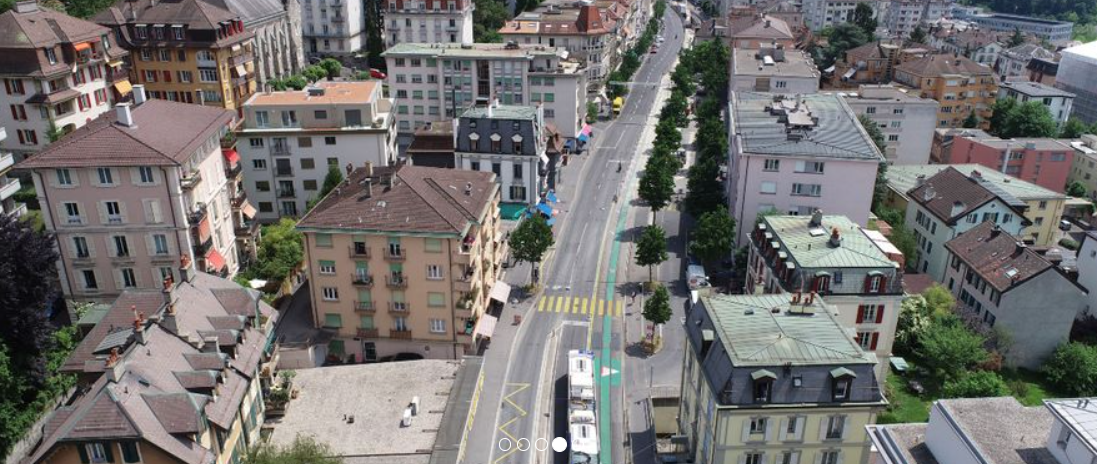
(567, 304)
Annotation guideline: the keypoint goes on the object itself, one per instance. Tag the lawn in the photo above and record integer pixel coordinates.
(1030, 388)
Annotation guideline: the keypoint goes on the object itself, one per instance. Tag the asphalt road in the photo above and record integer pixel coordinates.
(581, 304)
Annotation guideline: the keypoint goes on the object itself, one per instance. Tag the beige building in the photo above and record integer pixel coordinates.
(587, 36)
(131, 192)
(403, 259)
(290, 139)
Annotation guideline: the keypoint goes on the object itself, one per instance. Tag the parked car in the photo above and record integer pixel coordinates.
(1065, 225)
(376, 73)
(695, 277)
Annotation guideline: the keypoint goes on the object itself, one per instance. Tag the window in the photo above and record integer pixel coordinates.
(333, 320)
(160, 244)
(870, 313)
(72, 210)
(89, 279)
(434, 272)
(769, 188)
(323, 240)
(830, 457)
(841, 388)
(836, 426)
(51, 55)
(330, 293)
(185, 76)
(80, 247)
(870, 110)
(394, 247)
(64, 177)
(758, 425)
(98, 452)
(259, 164)
(262, 186)
(19, 112)
(436, 299)
(114, 212)
(145, 175)
(754, 458)
(289, 119)
(821, 284)
(106, 176)
(208, 75)
(789, 457)
(772, 165)
(14, 86)
(329, 140)
(893, 138)
(327, 267)
(310, 185)
(165, 54)
(320, 114)
(810, 167)
(807, 190)
(762, 389)
(129, 279)
(308, 163)
(121, 246)
(400, 324)
(129, 452)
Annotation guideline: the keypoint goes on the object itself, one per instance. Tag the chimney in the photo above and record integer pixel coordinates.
(491, 107)
(168, 321)
(468, 189)
(921, 179)
(835, 238)
(929, 193)
(28, 6)
(139, 326)
(125, 115)
(116, 366)
(369, 169)
(816, 218)
(767, 23)
(186, 268)
(139, 97)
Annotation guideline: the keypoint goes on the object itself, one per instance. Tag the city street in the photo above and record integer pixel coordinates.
(584, 298)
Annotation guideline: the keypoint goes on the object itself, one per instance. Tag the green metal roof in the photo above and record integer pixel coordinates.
(810, 246)
(902, 178)
(753, 334)
(94, 314)
(502, 112)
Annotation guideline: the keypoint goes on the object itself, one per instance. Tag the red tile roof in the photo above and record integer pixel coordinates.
(936, 65)
(998, 257)
(950, 195)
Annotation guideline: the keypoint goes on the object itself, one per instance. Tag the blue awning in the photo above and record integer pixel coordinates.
(551, 196)
(544, 209)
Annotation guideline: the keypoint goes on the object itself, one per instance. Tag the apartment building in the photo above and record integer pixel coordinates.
(1084, 168)
(584, 33)
(290, 139)
(822, 13)
(1057, 101)
(959, 84)
(998, 280)
(906, 121)
(278, 46)
(436, 82)
(874, 63)
(950, 203)
(773, 69)
(508, 141)
(8, 186)
(132, 192)
(855, 271)
(769, 378)
(1077, 67)
(1044, 207)
(1044, 162)
(58, 72)
(798, 155)
(1086, 263)
(433, 146)
(999, 430)
(434, 234)
(174, 375)
(333, 27)
(1013, 62)
(941, 150)
(1042, 70)
(758, 31)
(1057, 33)
(981, 46)
(428, 21)
(900, 17)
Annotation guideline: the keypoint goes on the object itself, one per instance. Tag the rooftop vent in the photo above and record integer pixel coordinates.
(315, 91)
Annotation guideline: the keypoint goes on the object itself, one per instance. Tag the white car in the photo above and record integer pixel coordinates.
(660, 39)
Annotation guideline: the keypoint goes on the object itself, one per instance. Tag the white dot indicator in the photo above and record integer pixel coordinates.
(559, 444)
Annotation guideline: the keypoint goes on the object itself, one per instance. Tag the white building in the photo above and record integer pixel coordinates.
(1077, 69)
(509, 141)
(773, 70)
(8, 186)
(902, 16)
(907, 121)
(822, 13)
(1056, 32)
(333, 27)
(290, 139)
(1013, 62)
(428, 21)
(278, 46)
(433, 82)
(1057, 101)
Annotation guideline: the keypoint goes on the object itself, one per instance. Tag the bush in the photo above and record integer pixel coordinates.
(948, 348)
(1073, 369)
(1019, 388)
(1068, 244)
(976, 384)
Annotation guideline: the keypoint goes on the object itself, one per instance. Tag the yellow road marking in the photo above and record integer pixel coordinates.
(567, 304)
(620, 307)
(601, 307)
(585, 301)
(559, 303)
(541, 305)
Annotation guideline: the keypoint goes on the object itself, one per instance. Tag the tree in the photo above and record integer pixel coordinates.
(1000, 113)
(903, 239)
(1075, 128)
(657, 183)
(657, 308)
(1076, 189)
(1032, 119)
(971, 121)
(332, 67)
(873, 129)
(304, 450)
(27, 271)
(880, 186)
(279, 253)
(487, 18)
(978, 384)
(1016, 39)
(332, 179)
(914, 319)
(296, 82)
(843, 37)
(918, 35)
(375, 42)
(713, 237)
(1073, 369)
(530, 240)
(704, 191)
(939, 301)
(948, 348)
(314, 73)
(592, 112)
(651, 249)
(862, 17)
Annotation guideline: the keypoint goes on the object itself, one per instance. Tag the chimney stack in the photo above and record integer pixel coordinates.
(28, 6)
(125, 115)
(186, 268)
(835, 238)
(116, 366)
(816, 218)
(921, 179)
(139, 326)
(139, 97)
(369, 169)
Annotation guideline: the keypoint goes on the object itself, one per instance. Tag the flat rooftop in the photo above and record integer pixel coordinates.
(376, 395)
(769, 124)
(885, 93)
(528, 113)
(1035, 89)
(795, 64)
(333, 93)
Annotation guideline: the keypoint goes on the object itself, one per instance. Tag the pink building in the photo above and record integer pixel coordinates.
(1044, 162)
(798, 155)
(133, 192)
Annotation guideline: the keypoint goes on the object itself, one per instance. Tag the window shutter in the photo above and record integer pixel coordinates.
(102, 212)
(123, 211)
(91, 246)
(883, 283)
(150, 245)
(845, 430)
(818, 457)
(868, 283)
(33, 137)
(147, 205)
(840, 456)
(7, 88)
(769, 432)
(860, 313)
(875, 338)
(795, 457)
(801, 421)
(823, 427)
(879, 313)
(135, 175)
(22, 139)
(80, 448)
(108, 450)
(118, 279)
(14, 113)
(782, 434)
(156, 215)
(167, 76)
(743, 459)
(746, 430)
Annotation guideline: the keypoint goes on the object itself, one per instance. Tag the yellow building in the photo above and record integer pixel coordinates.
(1045, 207)
(189, 51)
(781, 381)
(404, 259)
(959, 84)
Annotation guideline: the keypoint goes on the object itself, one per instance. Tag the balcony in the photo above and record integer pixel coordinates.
(283, 171)
(396, 281)
(286, 193)
(359, 252)
(241, 59)
(362, 280)
(398, 308)
(200, 249)
(197, 215)
(280, 150)
(367, 333)
(190, 179)
(400, 334)
(19, 210)
(242, 81)
(234, 170)
(124, 257)
(364, 306)
(338, 19)
(397, 256)
(247, 228)
(6, 161)
(8, 187)
(239, 199)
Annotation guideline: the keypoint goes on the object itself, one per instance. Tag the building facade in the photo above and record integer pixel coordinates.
(587, 36)
(773, 70)
(122, 221)
(746, 398)
(435, 82)
(277, 47)
(1075, 75)
(822, 13)
(59, 72)
(1057, 101)
(1055, 32)
(290, 140)
(1044, 162)
(906, 121)
(428, 21)
(333, 27)
(873, 63)
(9, 185)
(204, 57)
(959, 84)
(902, 16)
(508, 141)
(1013, 62)
(797, 155)
(417, 272)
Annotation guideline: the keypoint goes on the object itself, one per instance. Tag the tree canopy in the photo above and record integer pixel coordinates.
(487, 18)
(918, 35)
(657, 307)
(657, 182)
(842, 37)
(531, 239)
(304, 450)
(280, 251)
(651, 248)
(863, 17)
(1011, 119)
(714, 236)
(948, 348)
(27, 273)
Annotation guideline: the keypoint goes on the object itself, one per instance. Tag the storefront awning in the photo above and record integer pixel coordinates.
(544, 209)
(116, 63)
(123, 87)
(204, 230)
(485, 326)
(247, 209)
(214, 260)
(500, 291)
(587, 130)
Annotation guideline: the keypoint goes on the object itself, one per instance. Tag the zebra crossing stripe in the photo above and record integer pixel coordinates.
(541, 304)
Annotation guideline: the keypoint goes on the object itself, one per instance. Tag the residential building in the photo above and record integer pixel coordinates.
(822, 13)
(1044, 162)
(950, 203)
(508, 141)
(1013, 290)
(436, 82)
(1013, 62)
(798, 155)
(1086, 263)
(900, 17)
(278, 48)
(433, 234)
(433, 146)
(906, 121)
(999, 430)
(428, 21)
(9, 185)
(58, 72)
(758, 32)
(981, 46)
(587, 36)
(335, 28)
(859, 277)
(768, 378)
(1044, 207)
(1042, 70)
(134, 190)
(192, 52)
(289, 141)
(941, 150)
(1075, 75)
(773, 70)
(1084, 167)
(874, 63)
(959, 84)
(1057, 101)
(171, 375)
(1055, 32)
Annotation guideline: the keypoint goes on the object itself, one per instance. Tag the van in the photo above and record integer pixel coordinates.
(695, 277)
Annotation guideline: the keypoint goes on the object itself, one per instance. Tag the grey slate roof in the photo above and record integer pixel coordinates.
(836, 133)
(501, 123)
(1035, 89)
(1080, 414)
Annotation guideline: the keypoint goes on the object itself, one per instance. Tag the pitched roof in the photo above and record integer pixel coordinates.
(950, 195)
(902, 178)
(809, 246)
(418, 200)
(833, 133)
(166, 134)
(936, 65)
(765, 27)
(998, 257)
(195, 14)
(43, 28)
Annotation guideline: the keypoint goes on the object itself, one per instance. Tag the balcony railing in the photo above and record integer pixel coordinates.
(396, 281)
(356, 252)
(283, 171)
(19, 210)
(6, 161)
(190, 179)
(364, 306)
(399, 256)
(338, 19)
(234, 170)
(280, 150)
(286, 193)
(240, 59)
(247, 228)
(362, 280)
(239, 198)
(367, 333)
(398, 308)
(201, 248)
(401, 334)
(8, 187)
(198, 214)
